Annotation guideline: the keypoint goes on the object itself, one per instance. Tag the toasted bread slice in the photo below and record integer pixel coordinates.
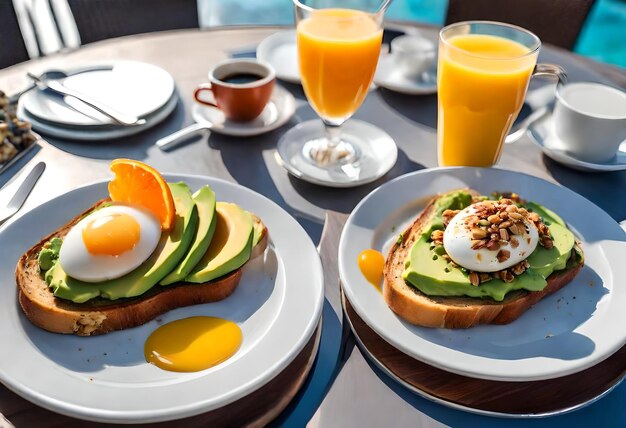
(99, 316)
(455, 312)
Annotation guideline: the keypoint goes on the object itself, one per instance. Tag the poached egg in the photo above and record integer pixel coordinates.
(457, 241)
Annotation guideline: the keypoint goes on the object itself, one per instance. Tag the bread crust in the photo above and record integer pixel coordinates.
(454, 312)
(100, 316)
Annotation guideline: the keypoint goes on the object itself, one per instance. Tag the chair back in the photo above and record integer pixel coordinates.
(12, 47)
(557, 22)
(104, 19)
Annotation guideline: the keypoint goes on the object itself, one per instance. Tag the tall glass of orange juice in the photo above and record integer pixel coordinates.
(483, 73)
(338, 50)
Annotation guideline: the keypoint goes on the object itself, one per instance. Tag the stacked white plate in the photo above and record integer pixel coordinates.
(135, 88)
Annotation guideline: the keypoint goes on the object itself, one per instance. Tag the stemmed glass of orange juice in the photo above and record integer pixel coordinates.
(338, 50)
(483, 73)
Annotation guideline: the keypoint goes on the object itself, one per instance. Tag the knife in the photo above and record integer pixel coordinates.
(59, 88)
(22, 192)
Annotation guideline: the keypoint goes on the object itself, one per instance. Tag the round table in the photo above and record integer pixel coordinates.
(410, 120)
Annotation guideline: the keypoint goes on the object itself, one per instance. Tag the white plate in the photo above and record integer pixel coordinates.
(276, 113)
(388, 76)
(131, 87)
(569, 331)
(542, 134)
(92, 133)
(105, 378)
(281, 51)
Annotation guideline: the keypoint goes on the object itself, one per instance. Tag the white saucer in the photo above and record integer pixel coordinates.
(91, 133)
(281, 52)
(278, 111)
(378, 154)
(389, 77)
(542, 134)
(131, 87)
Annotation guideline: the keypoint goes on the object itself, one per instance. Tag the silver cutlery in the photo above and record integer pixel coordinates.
(170, 141)
(56, 75)
(24, 189)
(58, 87)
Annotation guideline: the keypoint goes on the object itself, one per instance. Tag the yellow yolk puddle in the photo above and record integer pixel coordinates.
(192, 344)
(112, 234)
(371, 263)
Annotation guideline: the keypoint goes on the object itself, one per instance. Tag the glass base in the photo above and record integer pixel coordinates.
(364, 154)
(320, 152)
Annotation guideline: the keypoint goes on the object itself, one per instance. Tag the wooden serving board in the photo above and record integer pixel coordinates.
(254, 410)
(536, 398)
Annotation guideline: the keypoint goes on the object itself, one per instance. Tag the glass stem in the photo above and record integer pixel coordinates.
(333, 135)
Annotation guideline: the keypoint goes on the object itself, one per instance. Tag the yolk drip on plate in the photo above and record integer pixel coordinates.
(371, 264)
(112, 235)
(192, 344)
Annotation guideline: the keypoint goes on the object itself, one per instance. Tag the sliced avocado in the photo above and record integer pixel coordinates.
(49, 254)
(170, 250)
(230, 247)
(547, 215)
(259, 229)
(205, 202)
(545, 261)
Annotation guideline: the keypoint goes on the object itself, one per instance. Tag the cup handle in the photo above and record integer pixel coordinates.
(199, 90)
(551, 70)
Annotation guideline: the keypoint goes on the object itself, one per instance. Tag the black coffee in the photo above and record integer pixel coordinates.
(241, 78)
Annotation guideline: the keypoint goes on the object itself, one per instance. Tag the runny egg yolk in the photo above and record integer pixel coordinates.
(371, 263)
(112, 235)
(192, 344)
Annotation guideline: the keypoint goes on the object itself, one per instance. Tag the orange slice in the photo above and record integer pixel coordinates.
(139, 184)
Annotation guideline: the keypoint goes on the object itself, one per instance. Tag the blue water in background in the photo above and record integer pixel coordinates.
(603, 36)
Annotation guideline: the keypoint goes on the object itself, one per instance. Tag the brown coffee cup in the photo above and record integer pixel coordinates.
(241, 88)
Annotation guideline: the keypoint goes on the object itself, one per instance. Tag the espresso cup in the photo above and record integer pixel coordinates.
(590, 120)
(413, 54)
(240, 88)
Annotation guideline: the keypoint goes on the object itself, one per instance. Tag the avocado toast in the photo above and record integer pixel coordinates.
(424, 286)
(171, 276)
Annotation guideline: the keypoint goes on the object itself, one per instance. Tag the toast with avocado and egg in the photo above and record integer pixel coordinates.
(125, 261)
(469, 259)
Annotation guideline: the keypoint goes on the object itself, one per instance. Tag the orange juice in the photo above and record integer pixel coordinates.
(482, 81)
(338, 51)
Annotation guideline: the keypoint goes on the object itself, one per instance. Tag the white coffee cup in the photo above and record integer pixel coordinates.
(590, 120)
(413, 54)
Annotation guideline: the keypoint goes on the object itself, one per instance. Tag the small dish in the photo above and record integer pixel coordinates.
(277, 112)
(378, 154)
(281, 52)
(388, 76)
(543, 135)
(135, 88)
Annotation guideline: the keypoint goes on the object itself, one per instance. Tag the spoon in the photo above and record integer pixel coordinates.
(54, 74)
